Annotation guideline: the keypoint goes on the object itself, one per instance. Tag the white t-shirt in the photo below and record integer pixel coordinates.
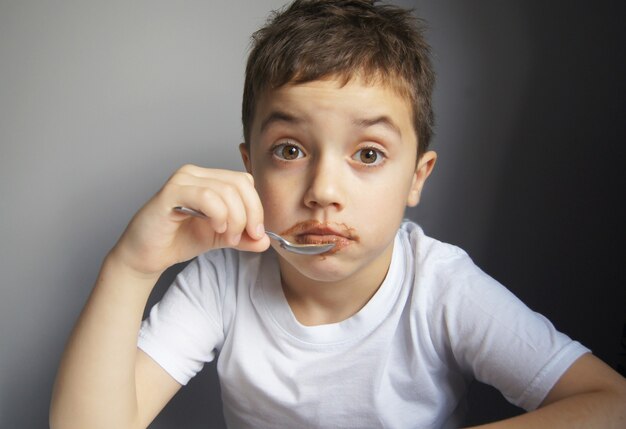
(403, 361)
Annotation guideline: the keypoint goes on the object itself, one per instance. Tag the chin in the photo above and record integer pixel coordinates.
(327, 267)
(322, 275)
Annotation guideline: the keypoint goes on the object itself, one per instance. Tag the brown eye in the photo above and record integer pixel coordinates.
(288, 152)
(368, 156)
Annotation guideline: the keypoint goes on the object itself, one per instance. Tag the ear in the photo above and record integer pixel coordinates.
(424, 167)
(245, 157)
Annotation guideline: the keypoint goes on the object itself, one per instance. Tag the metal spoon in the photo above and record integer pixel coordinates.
(301, 249)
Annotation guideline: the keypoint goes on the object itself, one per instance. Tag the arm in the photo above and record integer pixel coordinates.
(589, 395)
(104, 381)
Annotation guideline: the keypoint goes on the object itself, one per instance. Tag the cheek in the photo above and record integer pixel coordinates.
(384, 192)
(381, 205)
(278, 197)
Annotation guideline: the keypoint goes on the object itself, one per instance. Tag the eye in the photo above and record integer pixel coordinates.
(369, 156)
(287, 151)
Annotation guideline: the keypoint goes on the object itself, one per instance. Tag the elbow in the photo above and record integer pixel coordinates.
(55, 421)
(60, 419)
(620, 401)
(55, 417)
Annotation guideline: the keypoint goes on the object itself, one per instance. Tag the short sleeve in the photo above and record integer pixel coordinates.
(184, 330)
(501, 342)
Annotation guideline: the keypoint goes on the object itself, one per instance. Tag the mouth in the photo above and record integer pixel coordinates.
(315, 232)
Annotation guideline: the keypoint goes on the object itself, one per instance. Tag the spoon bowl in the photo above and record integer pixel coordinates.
(301, 249)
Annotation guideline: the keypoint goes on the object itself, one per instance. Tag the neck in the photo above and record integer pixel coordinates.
(322, 302)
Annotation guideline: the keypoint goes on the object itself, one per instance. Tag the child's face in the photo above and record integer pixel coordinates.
(335, 163)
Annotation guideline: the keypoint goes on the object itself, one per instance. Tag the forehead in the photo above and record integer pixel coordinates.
(335, 101)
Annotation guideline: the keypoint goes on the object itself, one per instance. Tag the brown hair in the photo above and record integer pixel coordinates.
(315, 39)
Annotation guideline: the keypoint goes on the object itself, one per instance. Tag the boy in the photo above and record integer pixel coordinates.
(384, 330)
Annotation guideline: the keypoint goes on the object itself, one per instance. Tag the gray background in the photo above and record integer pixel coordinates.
(101, 101)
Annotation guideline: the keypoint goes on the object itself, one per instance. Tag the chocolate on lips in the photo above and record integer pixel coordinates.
(316, 232)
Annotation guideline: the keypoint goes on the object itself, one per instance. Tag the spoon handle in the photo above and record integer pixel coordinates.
(191, 212)
(303, 249)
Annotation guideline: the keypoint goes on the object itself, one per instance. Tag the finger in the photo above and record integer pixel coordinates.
(205, 200)
(236, 217)
(191, 170)
(249, 244)
(244, 182)
(253, 206)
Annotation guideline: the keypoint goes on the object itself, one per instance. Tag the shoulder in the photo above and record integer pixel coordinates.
(224, 262)
(440, 263)
(219, 272)
(450, 293)
(217, 280)
(447, 277)
(478, 327)
(426, 247)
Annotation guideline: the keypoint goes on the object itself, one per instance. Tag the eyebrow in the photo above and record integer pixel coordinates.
(383, 120)
(279, 116)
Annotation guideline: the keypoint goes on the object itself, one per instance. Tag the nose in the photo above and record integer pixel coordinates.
(326, 185)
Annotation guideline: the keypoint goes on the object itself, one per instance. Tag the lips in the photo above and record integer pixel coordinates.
(315, 232)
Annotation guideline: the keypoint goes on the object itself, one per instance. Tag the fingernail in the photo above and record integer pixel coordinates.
(235, 240)
(260, 230)
(222, 228)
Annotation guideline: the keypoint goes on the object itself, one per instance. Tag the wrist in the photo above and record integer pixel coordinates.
(116, 262)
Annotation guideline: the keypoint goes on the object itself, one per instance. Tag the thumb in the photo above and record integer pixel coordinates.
(249, 244)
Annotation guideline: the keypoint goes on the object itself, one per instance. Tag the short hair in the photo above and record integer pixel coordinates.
(315, 39)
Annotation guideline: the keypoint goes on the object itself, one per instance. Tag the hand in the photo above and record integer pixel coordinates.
(158, 237)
